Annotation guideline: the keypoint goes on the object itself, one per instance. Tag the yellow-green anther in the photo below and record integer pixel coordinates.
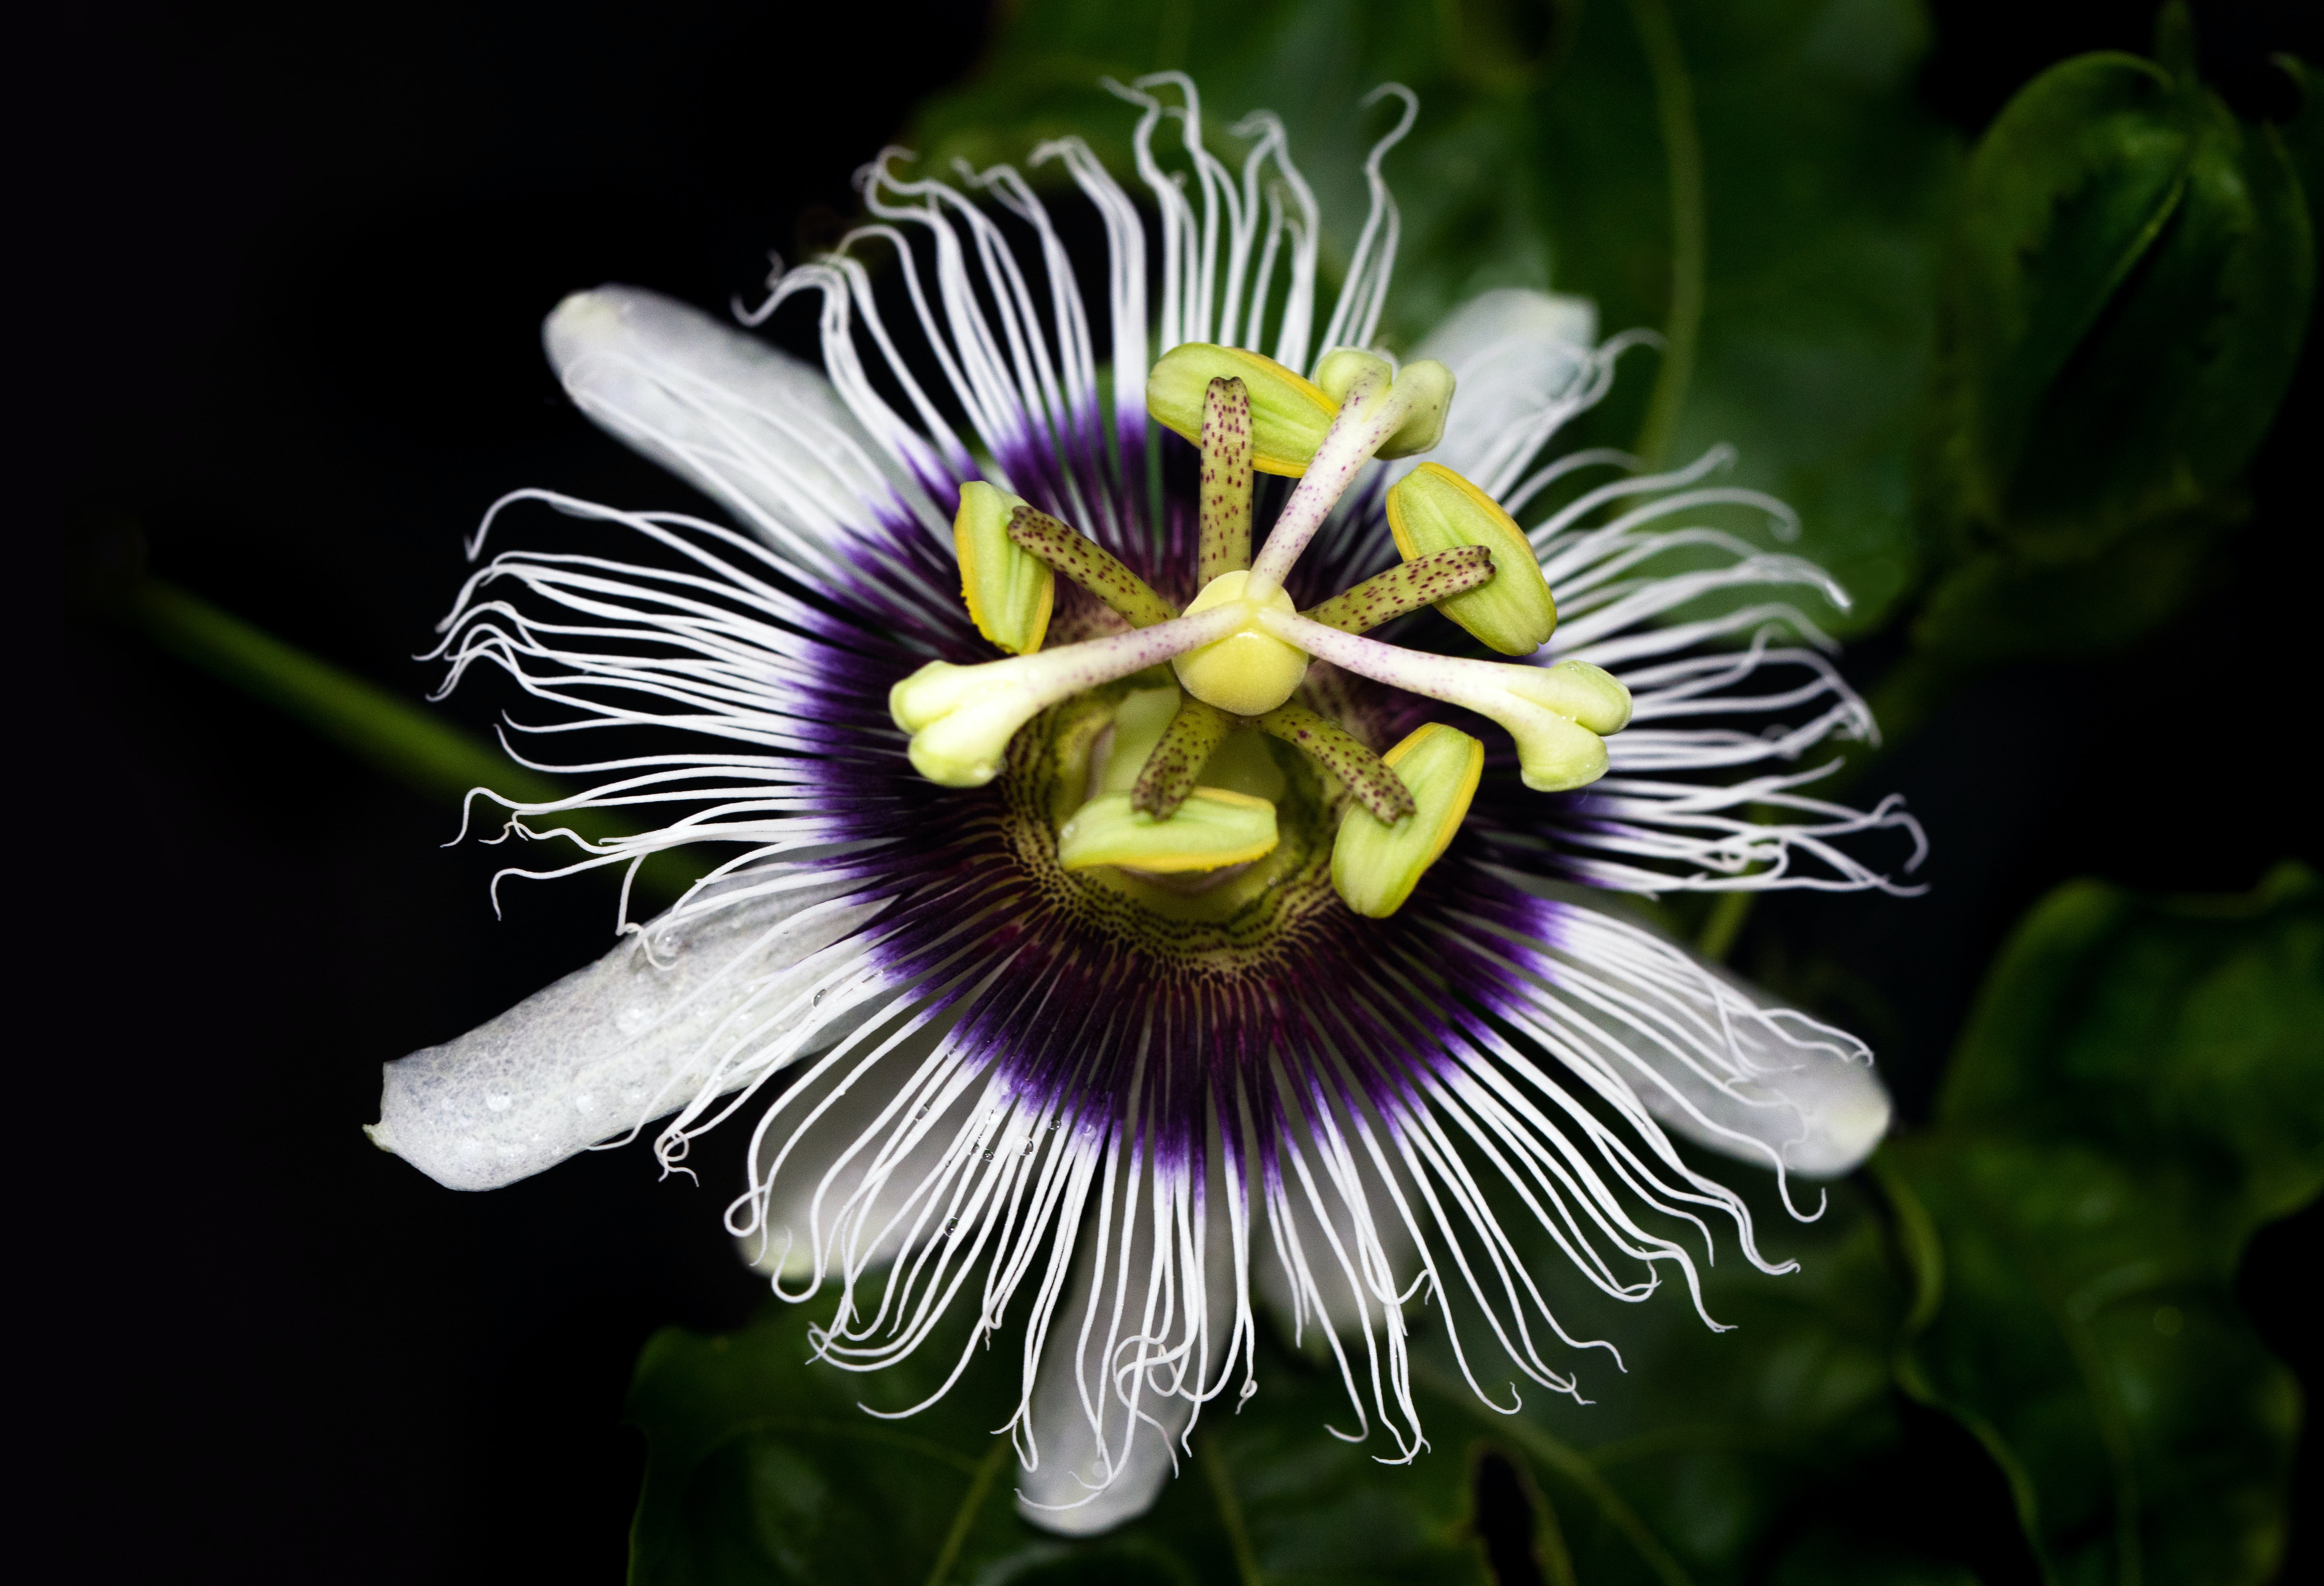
(1226, 478)
(1174, 765)
(1340, 370)
(1139, 723)
(1404, 588)
(1008, 591)
(1248, 672)
(1289, 416)
(1212, 828)
(1432, 508)
(1341, 752)
(1377, 863)
(1088, 564)
(1422, 392)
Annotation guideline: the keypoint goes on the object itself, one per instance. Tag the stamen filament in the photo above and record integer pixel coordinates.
(1226, 479)
(1557, 714)
(1367, 417)
(1341, 752)
(1175, 766)
(1089, 565)
(1406, 588)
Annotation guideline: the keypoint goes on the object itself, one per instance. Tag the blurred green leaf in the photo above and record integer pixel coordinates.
(763, 1468)
(2070, 187)
(2128, 299)
(1544, 157)
(1712, 1454)
(2192, 1028)
(2142, 1085)
(2303, 136)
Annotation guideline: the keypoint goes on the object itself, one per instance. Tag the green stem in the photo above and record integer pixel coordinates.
(431, 756)
(1555, 1558)
(1208, 1455)
(963, 1519)
(1682, 152)
(1724, 923)
(425, 754)
(1576, 1468)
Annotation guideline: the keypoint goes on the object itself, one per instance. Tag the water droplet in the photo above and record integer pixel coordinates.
(500, 1103)
(1029, 1147)
(820, 995)
(951, 1223)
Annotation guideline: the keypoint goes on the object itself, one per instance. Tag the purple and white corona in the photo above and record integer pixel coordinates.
(1163, 798)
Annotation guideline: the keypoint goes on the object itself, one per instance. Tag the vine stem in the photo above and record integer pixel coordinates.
(1223, 1493)
(963, 1519)
(428, 753)
(1682, 156)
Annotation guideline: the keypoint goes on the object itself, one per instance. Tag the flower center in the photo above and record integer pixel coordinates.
(1148, 806)
(1243, 914)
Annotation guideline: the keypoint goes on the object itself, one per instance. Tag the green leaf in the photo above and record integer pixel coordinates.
(1697, 1456)
(2067, 192)
(2127, 300)
(1548, 156)
(2303, 136)
(2163, 404)
(1999, 606)
(2142, 1084)
(762, 1467)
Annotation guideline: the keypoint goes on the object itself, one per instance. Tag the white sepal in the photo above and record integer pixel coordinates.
(684, 1004)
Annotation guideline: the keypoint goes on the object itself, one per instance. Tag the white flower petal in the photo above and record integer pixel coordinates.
(1107, 1436)
(761, 432)
(1708, 1056)
(1789, 1084)
(612, 1047)
(1523, 363)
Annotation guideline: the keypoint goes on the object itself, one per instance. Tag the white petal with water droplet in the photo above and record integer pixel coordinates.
(574, 1064)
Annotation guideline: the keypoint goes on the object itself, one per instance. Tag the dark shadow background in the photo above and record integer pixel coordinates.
(300, 263)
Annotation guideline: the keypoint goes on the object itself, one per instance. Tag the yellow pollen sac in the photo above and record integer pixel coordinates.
(1248, 673)
(1376, 866)
(1423, 391)
(1010, 591)
(1213, 828)
(1289, 415)
(1434, 509)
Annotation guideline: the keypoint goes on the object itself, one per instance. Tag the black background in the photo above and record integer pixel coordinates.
(291, 269)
